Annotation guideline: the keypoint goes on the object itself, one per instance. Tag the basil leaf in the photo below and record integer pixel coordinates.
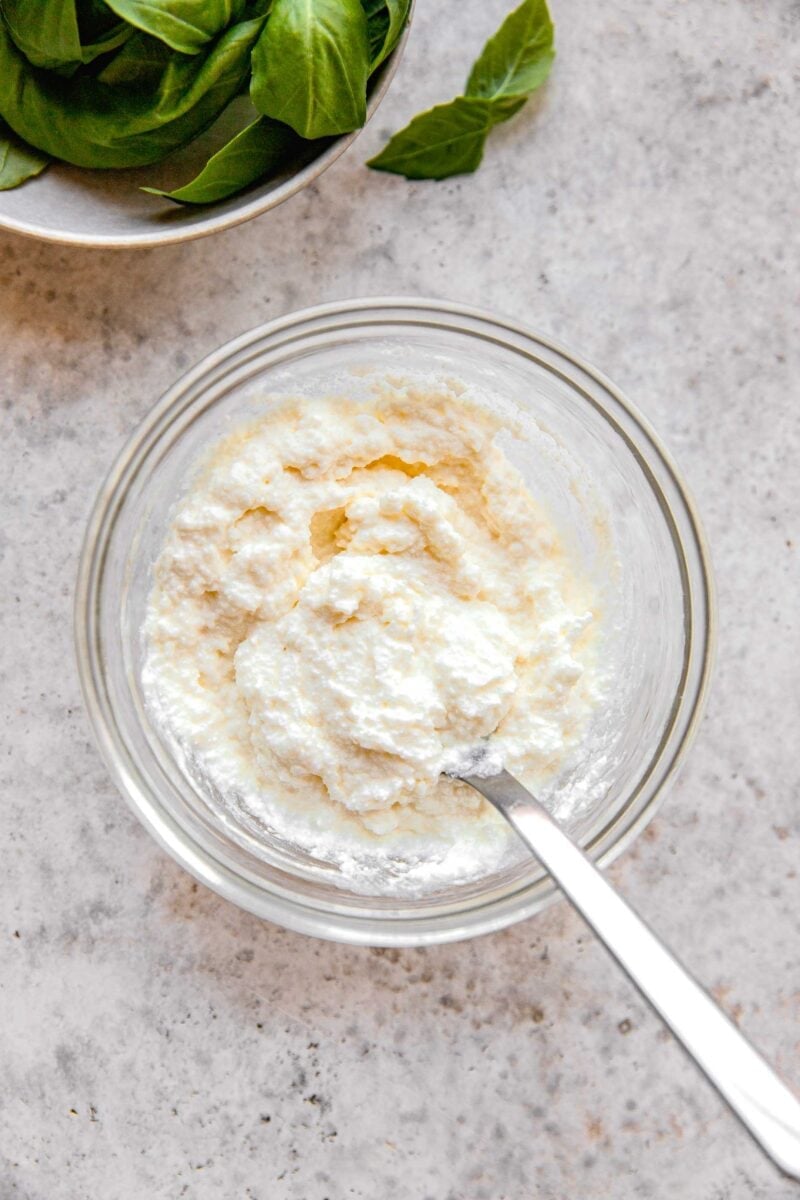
(184, 25)
(446, 140)
(140, 63)
(18, 162)
(503, 108)
(310, 66)
(449, 139)
(517, 60)
(385, 22)
(377, 14)
(260, 148)
(398, 15)
(48, 34)
(112, 40)
(91, 124)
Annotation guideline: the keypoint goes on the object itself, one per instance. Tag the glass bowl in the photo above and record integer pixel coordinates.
(605, 476)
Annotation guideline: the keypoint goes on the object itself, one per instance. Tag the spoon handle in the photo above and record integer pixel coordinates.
(751, 1087)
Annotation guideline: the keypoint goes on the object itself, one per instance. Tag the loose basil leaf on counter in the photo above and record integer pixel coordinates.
(449, 139)
(310, 66)
(259, 149)
(49, 36)
(18, 162)
(517, 60)
(445, 140)
(503, 108)
(90, 124)
(385, 22)
(184, 25)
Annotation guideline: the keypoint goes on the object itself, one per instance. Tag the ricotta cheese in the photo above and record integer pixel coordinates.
(352, 595)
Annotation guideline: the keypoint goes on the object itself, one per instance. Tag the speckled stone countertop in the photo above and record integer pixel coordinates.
(156, 1041)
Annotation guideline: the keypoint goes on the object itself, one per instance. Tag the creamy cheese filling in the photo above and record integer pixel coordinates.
(350, 595)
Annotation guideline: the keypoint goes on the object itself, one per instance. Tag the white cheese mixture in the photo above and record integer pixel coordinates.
(350, 596)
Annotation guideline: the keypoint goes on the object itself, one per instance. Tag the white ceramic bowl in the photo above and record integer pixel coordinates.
(107, 209)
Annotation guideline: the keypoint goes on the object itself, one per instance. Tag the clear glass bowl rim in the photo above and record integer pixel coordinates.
(381, 927)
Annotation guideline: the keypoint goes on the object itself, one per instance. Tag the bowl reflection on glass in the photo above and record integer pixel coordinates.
(603, 458)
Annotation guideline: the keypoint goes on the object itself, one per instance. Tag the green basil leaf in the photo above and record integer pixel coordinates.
(517, 60)
(310, 66)
(446, 140)
(112, 40)
(385, 22)
(449, 139)
(48, 34)
(259, 149)
(184, 25)
(503, 108)
(91, 124)
(140, 63)
(18, 162)
(377, 14)
(398, 15)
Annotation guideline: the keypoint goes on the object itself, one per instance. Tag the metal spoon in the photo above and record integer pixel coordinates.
(755, 1092)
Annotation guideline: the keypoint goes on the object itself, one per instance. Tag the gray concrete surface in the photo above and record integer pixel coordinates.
(157, 1042)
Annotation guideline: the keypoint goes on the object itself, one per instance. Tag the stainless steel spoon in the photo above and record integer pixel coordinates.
(751, 1087)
